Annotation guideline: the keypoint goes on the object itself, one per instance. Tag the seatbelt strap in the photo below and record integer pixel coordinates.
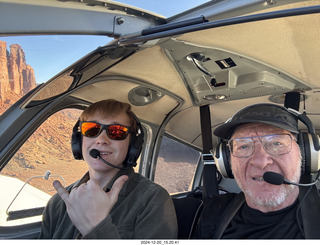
(310, 212)
(210, 183)
(228, 214)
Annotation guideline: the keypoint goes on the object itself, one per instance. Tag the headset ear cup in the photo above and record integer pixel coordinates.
(301, 144)
(228, 162)
(314, 153)
(222, 160)
(311, 155)
(76, 142)
(134, 150)
(135, 146)
(309, 145)
(309, 161)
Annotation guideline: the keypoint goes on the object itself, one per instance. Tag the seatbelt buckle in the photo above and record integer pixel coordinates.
(207, 159)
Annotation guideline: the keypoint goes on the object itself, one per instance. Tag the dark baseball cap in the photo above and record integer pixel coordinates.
(270, 114)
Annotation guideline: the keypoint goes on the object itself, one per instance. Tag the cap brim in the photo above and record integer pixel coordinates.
(225, 131)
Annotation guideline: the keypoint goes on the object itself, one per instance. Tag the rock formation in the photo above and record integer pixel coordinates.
(15, 75)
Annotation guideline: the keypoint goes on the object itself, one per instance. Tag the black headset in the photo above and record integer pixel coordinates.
(134, 150)
(307, 141)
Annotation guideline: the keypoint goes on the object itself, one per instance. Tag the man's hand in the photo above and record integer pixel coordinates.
(88, 204)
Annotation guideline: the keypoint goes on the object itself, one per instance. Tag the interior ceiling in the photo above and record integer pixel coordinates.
(152, 66)
(106, 87)
(286, 44)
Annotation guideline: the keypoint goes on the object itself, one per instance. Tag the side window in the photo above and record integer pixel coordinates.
(26, 181)
(176, 166)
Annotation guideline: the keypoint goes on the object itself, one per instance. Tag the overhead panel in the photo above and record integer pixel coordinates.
(214, 75)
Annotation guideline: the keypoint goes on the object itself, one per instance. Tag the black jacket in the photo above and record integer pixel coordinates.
(219, 210)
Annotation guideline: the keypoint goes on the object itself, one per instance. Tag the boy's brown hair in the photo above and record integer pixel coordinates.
(110, 108)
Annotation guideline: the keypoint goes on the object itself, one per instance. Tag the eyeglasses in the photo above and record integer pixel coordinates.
(114, 131)
(275, 145)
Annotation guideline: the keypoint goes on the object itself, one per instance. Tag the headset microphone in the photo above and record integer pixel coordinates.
(278, 179)
(96, 154)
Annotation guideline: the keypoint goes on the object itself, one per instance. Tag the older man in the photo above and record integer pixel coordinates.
(261, 138)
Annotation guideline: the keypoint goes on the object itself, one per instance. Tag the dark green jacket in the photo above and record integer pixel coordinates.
(144, 210)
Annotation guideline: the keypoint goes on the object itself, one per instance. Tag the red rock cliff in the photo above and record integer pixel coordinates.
(15, 75)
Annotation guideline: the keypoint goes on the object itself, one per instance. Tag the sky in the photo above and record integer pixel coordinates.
(49, 55)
